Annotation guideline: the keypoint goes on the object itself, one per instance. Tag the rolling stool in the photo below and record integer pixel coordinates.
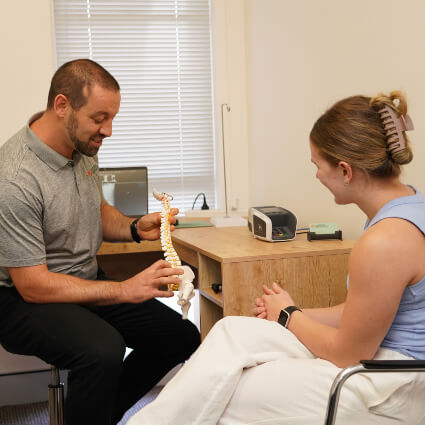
(55, 397)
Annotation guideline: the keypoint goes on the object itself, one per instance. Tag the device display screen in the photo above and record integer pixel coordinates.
(271, 210)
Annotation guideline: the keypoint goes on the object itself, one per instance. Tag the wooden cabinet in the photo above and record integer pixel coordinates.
(314, 273)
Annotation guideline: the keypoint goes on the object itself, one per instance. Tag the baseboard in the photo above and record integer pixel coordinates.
(24, 388)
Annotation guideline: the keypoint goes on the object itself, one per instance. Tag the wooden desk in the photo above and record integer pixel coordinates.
(314, 273)
(113, 248)
(121, 261)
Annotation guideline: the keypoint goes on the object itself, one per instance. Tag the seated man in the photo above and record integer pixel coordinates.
(54, 303)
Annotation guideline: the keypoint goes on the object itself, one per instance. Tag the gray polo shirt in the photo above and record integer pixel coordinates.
(49, 208)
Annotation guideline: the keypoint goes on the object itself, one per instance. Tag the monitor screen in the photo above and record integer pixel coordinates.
(126, 189)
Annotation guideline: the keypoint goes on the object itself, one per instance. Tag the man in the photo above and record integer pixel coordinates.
(53, 303)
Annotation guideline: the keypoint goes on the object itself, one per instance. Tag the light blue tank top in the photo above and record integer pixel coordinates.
(407, 332)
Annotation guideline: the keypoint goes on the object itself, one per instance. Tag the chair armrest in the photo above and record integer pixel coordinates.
(367, 366)
(393, 364)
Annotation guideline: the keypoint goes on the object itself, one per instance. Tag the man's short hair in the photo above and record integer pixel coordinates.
(72, 77)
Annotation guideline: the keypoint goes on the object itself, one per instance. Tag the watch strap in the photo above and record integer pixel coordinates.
(133, 230)
(285, 314)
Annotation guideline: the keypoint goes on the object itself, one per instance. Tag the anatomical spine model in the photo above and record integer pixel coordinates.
(186, 287)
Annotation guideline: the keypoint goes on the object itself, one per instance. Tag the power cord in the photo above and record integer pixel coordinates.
(204, 205)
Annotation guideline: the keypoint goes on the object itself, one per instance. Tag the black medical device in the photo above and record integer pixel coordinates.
(272, 223)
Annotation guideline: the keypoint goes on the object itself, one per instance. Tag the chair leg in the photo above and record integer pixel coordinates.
(55, 397)
(342, 376)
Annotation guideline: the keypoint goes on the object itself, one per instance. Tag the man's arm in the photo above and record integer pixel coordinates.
(379, 273)
(116, 226)
(37, 284)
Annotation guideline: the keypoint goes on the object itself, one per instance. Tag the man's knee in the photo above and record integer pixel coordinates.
(107, 355)
(189, 339)
(193, 338)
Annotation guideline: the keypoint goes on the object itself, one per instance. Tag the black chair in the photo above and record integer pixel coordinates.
(367, 366)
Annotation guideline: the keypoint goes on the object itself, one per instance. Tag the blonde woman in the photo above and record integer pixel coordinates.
(277, 368)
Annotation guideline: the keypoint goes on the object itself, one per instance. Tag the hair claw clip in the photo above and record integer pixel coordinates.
(395, 127)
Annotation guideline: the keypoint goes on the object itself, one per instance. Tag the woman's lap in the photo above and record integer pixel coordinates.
(295, 391)
(285, 390)
(250, 371)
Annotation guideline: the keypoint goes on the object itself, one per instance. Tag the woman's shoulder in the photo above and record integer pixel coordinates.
(409, 208)
(393, 245)
(392, 233)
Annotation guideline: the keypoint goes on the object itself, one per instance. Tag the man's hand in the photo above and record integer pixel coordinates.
(272, 302)
(148, 226)
(151, 282)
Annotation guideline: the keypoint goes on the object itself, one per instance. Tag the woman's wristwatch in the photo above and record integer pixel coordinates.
(285, 314)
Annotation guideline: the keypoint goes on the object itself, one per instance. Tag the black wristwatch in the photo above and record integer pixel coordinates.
(133, 230)
(285, 314)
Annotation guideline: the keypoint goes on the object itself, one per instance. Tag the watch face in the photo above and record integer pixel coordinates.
(283, 318)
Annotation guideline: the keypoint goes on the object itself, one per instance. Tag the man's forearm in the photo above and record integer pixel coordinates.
(115, 225)
(37, 284)
(43, 286)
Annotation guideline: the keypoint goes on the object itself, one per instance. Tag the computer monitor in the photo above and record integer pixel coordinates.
(126, 188)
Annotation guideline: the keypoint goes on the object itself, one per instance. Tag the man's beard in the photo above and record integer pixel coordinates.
(80, 146)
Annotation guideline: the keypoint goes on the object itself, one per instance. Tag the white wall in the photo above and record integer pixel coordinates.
(304, 55)
(230, 87)
(27, 64)
(27, 61)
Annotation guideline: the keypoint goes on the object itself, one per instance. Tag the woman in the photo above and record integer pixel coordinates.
(252, 371)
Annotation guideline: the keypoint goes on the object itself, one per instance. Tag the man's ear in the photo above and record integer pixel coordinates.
(61, 105)
(346, 170)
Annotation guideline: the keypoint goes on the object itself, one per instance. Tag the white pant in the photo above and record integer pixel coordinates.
(252, 371)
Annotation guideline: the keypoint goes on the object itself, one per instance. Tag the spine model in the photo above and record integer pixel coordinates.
(186, 287)
(166, 243)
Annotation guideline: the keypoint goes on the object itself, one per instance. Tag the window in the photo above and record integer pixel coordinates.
(160, 53)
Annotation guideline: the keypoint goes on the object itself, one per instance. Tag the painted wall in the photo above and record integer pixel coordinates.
(230, 86)
(27, 61)
(27, 64)
(304, 55)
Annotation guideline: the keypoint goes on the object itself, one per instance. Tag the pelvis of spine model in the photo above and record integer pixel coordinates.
(186, 287)
(186, 290)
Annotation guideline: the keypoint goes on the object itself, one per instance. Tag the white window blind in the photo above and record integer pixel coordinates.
(160, 53)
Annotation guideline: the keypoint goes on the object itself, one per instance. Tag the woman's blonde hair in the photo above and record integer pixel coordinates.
(352, 130)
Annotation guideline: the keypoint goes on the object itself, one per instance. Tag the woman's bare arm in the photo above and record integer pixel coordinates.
(380, 269)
